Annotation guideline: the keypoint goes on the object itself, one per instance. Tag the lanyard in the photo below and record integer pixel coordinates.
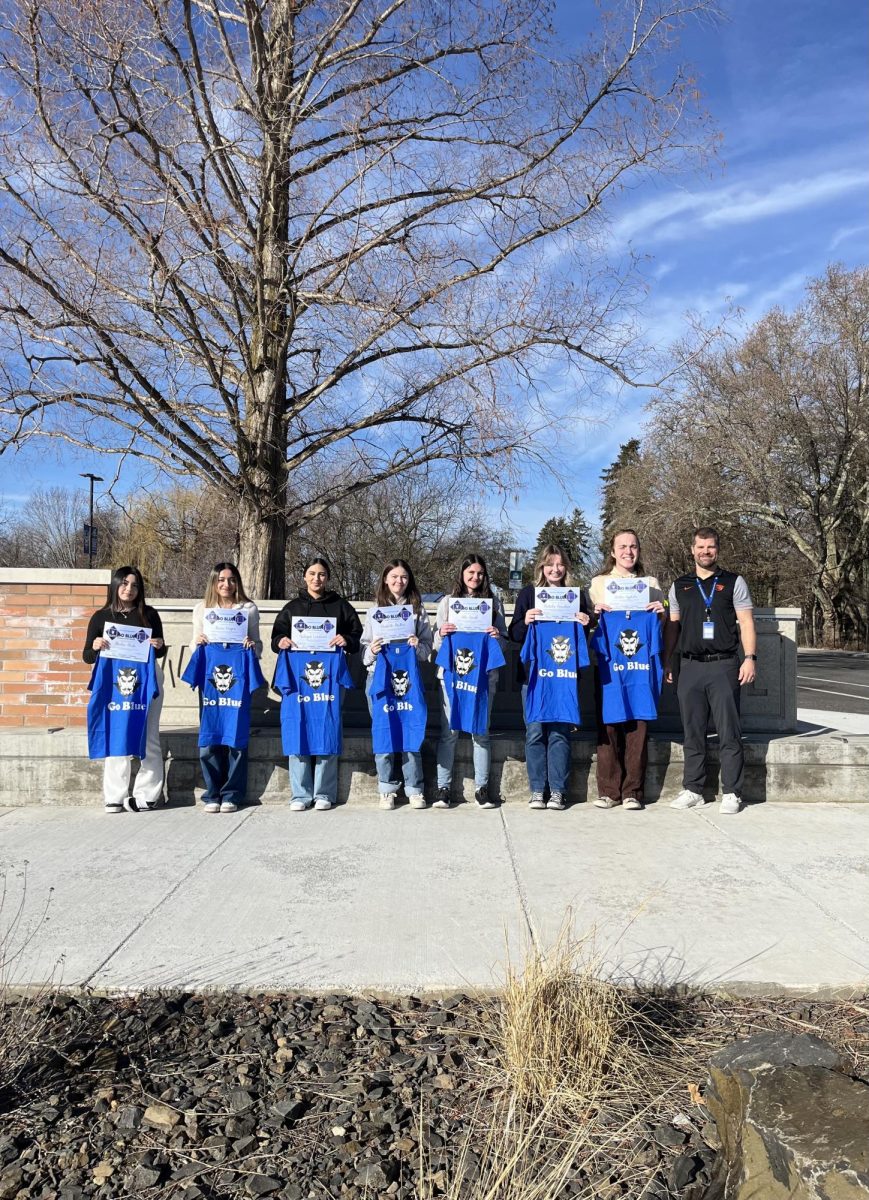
(707, 600)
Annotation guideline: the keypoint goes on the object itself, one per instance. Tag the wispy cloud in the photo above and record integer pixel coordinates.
(734, 204)
(845, 234)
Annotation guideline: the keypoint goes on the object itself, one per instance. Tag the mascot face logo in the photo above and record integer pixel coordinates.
(223, 677)
(560, 649)
(464, 663)
(314, 674)
(629, 642)
(127, 680)
(401, 682)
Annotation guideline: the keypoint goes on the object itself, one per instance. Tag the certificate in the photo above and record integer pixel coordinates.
(225, 624)
(471, 615)
(132, 642)
(557, 603)
(393, 622)
(626, 595)
(313, 633)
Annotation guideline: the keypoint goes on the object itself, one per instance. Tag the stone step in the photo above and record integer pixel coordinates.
(42, 767)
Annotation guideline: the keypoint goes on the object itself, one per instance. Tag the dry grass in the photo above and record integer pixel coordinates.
(580, 1063)
(23, 1017)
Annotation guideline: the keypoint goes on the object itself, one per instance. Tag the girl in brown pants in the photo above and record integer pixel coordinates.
(622, 749)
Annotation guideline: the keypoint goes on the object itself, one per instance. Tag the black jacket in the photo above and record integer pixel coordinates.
(97, 623)
(332, 605)
(518, 630)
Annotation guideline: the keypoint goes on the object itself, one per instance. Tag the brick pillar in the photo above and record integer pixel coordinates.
(43, 621)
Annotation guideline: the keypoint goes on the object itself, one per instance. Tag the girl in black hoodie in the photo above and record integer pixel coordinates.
(314, 779)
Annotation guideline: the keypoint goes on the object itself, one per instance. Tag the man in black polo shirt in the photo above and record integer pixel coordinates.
(710, 613)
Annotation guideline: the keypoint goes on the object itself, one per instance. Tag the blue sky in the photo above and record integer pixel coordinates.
(787, 85)
(785, 82)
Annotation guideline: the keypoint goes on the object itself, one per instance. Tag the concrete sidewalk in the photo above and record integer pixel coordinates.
(775, 898)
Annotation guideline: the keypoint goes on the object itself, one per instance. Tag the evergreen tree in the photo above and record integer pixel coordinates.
(628, 456)
(574, 534)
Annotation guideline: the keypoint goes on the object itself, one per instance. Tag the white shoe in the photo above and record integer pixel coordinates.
(387, 800)
(730, 804)
(211, 806)
(323, 804)
(536, 800)
(556, 801)
(606, 802)
(300, 805)
(228, 806)
(687, 799)
(416, 800)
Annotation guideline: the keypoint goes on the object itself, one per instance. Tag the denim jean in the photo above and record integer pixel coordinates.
(312, 776)
(547, 753)
(224, 770)
(386, 765)
(449, 738)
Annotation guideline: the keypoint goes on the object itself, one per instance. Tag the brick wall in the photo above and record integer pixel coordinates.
(43, 620)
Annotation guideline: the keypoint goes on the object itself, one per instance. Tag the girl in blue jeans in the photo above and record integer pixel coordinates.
(397, 586)
(547, 743)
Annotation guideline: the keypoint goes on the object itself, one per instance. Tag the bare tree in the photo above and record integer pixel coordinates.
(768, 434)
(256, 240)
(49, 530)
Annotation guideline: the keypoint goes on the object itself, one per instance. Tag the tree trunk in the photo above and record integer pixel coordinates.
(262, 543)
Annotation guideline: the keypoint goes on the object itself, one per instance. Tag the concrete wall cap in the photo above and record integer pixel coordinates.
(98, 576)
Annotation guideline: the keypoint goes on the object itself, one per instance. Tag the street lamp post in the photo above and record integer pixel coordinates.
(90, 526)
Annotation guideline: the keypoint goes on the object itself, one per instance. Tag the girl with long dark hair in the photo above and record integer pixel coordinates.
(126, 605)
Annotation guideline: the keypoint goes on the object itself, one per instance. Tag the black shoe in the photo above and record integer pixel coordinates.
(481, 795)
(443, 798)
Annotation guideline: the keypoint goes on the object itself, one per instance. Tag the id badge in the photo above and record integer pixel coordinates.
(708, 631)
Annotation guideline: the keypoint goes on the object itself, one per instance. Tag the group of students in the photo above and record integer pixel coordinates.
(124, 709)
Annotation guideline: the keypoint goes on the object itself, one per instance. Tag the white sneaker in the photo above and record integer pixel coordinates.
(606, 802)
(211, 806)
(387, 800)
(687, 799)
(322, 804)
(300, 805)
(228, 806)
(730, 804)
(536, 800)
(417, 800)
(556, 801)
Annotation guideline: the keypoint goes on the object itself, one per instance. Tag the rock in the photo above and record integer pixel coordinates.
(261, 1185)
(129, 1118)
(161, 1116)
(791, 1123)
(684, 1170)
(668, 1135)
(144, 1177)
(11, 1181)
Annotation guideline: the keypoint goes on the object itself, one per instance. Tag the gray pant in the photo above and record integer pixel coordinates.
(706, 687)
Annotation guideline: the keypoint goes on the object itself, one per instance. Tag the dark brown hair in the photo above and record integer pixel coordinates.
(471, 560)
(411, 593)
(118, 577)
(639, 569)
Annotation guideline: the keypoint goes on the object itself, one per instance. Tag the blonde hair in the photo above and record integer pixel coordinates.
(551, 550)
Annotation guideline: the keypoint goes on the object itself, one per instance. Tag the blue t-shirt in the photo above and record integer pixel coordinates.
(226, 675)
(310, 687)
(398, 708)
(121, 693)
(628, 649)
(467, 659)
(553, 652)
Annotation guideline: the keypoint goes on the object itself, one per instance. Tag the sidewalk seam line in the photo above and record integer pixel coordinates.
(167, 896)
(520, 889)
(785, 880)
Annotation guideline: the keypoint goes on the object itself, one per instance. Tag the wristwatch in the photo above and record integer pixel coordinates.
(753, 657)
